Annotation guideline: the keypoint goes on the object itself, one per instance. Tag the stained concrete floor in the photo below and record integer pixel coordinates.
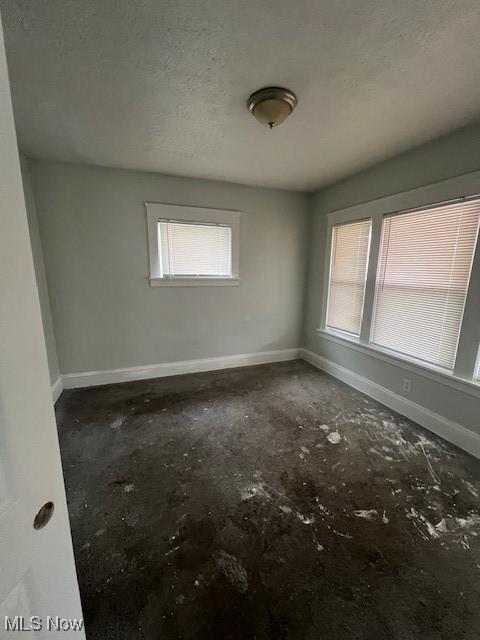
(268, 502)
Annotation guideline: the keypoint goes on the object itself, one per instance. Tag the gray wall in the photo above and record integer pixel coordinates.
(106, 315)
(447, 157)
(40, 276)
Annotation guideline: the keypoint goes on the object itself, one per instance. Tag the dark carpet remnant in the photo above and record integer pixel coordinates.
(268, 502)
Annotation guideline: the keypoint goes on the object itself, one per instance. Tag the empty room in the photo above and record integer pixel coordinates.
(240, 320)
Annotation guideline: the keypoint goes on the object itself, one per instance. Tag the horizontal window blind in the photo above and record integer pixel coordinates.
(422, 279)
(195, 250)
(348, 272)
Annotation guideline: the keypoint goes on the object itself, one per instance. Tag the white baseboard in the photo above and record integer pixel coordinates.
(452, 431)
(95, 378)
(57, 388)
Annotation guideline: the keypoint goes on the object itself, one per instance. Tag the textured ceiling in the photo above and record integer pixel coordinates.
(161, 85)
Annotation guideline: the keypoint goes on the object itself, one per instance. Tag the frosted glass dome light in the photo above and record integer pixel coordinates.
(272, 106)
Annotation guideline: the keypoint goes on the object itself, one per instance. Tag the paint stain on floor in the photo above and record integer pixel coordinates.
(268, 502)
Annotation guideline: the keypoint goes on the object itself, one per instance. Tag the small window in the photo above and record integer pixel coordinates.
(348, 274)
(423, 275)
(195, 249)
(192, 246)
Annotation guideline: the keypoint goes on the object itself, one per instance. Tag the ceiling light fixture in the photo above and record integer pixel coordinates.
(272, 105)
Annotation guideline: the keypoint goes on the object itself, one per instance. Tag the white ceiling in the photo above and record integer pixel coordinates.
(162, 85)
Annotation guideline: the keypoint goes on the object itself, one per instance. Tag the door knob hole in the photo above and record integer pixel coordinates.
(44, 515)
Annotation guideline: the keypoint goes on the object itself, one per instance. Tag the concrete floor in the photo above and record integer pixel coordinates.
(268, 502)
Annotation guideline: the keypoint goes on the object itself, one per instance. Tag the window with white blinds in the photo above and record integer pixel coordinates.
(192, 246)
(422, 279)
(348, 272)
(194, 250)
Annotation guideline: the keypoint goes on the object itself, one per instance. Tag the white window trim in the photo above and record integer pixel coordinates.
(159, 211)
(471, 387)
(465, 186)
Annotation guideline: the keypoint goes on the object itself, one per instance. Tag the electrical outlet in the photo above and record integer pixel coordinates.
(407, 385)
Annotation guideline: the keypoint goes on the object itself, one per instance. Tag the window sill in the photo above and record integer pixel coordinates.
(343, 335)
(470, 387)
(194, 282)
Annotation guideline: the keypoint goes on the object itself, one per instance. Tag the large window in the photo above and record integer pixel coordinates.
(192, 246)
(423, 274)
(348, 272)
(406, 285)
